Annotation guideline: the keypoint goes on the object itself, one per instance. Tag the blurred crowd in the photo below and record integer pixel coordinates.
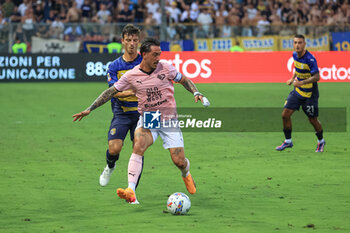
(184, 18)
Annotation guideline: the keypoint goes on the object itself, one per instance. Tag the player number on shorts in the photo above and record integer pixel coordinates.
(310, 109)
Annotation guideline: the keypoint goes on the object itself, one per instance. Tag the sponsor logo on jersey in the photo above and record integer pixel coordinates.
(161, 76)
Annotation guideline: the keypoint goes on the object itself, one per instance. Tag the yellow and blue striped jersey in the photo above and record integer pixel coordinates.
(122, 105)
(306, 67)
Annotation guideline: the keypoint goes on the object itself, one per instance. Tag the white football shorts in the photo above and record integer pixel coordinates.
(172, 137)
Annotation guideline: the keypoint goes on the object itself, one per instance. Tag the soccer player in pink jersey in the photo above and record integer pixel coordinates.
(152, 82)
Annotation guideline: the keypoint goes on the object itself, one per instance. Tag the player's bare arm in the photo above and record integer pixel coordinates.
(312, 79)
(189, 85)
(103, 98)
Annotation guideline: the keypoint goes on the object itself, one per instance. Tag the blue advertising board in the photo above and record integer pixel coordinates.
(341, 41)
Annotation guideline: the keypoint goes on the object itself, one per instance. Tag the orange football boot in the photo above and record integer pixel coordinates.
(126, 194)
(190, 185)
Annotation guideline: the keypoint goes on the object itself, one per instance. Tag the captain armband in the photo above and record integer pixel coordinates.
(178, 77)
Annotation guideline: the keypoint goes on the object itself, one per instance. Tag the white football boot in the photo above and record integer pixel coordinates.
(106, 175)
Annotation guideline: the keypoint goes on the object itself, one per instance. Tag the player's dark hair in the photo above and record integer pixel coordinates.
(299, 36)
(147, 43)
(130, 29)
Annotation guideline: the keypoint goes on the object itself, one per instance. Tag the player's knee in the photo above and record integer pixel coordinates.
(114, 149)
(180, 163)
(140, 147)
(285, 116)
(115, 146)
(313, 120)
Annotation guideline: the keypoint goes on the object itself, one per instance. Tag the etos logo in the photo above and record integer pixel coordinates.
(327, 73)
(191, 68)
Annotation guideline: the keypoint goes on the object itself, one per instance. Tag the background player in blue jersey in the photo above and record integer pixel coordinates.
(305, 93)
(124, 104)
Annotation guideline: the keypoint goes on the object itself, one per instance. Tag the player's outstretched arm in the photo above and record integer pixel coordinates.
(103, 98)
(189, 85)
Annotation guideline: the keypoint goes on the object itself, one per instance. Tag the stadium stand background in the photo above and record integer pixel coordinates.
(177, 23)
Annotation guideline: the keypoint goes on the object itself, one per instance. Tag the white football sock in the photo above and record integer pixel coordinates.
(186, 170)
(132, 186)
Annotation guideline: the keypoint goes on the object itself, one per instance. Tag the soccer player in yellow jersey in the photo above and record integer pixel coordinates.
(305, 93)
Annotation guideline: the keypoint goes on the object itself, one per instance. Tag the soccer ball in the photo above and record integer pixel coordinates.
(178, 203)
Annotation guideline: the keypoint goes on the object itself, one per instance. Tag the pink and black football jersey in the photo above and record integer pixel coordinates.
(155, 91)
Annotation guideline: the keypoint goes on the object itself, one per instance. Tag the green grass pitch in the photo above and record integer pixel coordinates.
(50, 166)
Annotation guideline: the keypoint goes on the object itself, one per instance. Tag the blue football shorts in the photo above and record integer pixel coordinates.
(309, 105)
(121, 124)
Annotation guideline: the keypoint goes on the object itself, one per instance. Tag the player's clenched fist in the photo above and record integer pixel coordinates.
(202, 98)
(290, 81)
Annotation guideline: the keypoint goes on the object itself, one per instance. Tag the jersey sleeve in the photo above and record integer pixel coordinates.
(313, 66)
(111, 75)
(123, 84)
(174, 74)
